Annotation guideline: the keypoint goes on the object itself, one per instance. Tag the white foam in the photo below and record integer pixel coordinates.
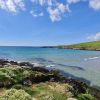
(50, 65)
(91, 58)
(94, 58)
(37, 64)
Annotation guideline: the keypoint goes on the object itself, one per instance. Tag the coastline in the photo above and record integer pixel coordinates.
(50, 75)
(86, 49)
(90, 46)
(79, 49)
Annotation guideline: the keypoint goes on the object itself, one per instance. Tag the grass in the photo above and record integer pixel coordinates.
(37, 91)
(16, 74)
(47, 91)
(95, 45)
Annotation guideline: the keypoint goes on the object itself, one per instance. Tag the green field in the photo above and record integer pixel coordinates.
(95, 45)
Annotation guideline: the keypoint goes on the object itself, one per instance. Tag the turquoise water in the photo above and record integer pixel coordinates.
(80, 63)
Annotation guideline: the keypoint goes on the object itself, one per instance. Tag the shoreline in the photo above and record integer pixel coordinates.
(79, 49)
(5, 63)
(50, 75)
(68, 48)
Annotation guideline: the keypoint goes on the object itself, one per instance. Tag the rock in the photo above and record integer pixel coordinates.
(95, 91)
(3, 62)
(40, 69)
(78, 86)
(13, 63)
(27, 82)
(25, 64)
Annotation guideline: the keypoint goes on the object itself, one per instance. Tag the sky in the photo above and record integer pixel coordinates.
(48, 22)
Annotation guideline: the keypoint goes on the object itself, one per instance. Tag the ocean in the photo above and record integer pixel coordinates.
(78, 63)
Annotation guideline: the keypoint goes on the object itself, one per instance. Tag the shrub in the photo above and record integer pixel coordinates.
(18, 86)
(85, 97)
(14, 94)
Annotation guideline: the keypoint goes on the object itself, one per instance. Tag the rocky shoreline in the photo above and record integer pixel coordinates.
(88, 49)
(42, 74)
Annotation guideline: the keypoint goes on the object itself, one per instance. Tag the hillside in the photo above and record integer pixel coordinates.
(95, 45)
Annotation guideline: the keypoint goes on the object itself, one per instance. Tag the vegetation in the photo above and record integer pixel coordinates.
(85, 97)
(18, 83)
(11, 75)
(95, 45)
(14, 94)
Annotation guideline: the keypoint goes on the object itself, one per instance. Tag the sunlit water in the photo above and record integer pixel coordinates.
(80, 63)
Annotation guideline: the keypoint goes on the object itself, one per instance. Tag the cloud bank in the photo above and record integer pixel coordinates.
(55, 8)
(94, 37)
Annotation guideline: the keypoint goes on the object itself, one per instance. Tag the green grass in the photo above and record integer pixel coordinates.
(95, 45)
(38, 91)
(47, 91)
(15, 75)
(85, 97)
(52, 91)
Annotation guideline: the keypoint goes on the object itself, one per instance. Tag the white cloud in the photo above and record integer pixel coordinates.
(95, 4)
(41, 2)
(20, 4)
(54, 14)
(34, 14)
(94, 37)
(57, 12)
(45, 2)
(73, 1)
(62, 7)
(50, 2)
(12, 5)
(56, 9)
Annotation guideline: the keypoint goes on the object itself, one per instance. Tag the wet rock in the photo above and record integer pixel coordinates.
(95, 91)
(13, 63)
(78, 86)
(3, 62)
(40, 69)
(25, 64)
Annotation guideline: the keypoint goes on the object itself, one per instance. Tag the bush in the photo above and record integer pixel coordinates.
(18, 86)
(14, 94)
(85, 97)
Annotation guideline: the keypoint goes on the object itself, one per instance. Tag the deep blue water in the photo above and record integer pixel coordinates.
(80, 63)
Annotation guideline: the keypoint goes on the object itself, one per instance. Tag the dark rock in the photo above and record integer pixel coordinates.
(13, 63)
(37, 79)
(25, 64)
(40, 69)
(95, 91)
(27, 82)
(3, 62)
(78, 86)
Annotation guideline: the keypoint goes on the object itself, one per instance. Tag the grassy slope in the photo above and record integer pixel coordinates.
(95, 45)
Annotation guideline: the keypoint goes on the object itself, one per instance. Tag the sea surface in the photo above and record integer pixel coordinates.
(78, 63)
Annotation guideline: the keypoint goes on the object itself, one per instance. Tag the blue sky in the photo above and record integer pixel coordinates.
(48, 22)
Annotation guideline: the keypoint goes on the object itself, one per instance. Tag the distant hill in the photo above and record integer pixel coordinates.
(95, 45)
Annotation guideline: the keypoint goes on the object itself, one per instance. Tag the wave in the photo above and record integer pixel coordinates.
(50, 66)
(91, 58)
